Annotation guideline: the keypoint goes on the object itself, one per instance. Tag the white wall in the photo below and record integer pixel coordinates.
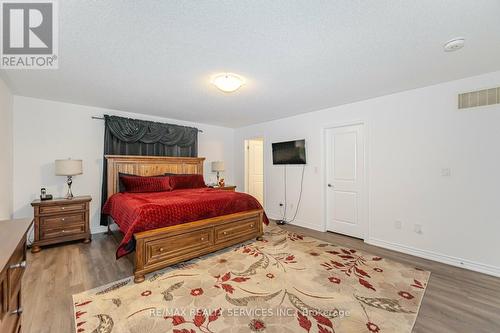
(6, 101)
(412, 136)
(45, 131)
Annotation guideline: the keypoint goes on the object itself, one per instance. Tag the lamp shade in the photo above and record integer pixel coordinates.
(217, 166)
(69, 167)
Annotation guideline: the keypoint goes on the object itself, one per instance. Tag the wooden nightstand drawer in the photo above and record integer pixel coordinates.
(70, 230)
(62, 208)
(60, 221)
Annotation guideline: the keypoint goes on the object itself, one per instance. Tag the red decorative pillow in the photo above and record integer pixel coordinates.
(186, 181)
(137, 184)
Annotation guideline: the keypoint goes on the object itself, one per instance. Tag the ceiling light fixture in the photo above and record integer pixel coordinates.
(228, 82)
(454, 44)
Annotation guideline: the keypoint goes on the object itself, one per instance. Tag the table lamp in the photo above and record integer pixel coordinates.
(69, 168)
(217, 166)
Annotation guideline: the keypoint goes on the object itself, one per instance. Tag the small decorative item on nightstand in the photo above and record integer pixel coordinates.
(61, 220)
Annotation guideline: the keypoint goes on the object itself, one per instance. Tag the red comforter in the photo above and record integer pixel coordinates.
(136, 212)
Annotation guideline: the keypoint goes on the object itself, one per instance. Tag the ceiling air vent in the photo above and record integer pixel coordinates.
(479, 98)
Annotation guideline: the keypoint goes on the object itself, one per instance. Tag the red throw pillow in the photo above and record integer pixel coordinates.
(186, 181)
(137, 184)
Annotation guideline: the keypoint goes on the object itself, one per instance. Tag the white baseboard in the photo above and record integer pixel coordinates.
(442, 258)
(98, 230)
(298, 223)
(308, 225)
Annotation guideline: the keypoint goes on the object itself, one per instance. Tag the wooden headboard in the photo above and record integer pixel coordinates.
(149, 166)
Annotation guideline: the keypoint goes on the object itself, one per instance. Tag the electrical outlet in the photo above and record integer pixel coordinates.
(398, 225)
(417, 228)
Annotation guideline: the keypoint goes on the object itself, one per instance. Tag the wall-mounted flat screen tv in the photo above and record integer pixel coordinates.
(289, 152)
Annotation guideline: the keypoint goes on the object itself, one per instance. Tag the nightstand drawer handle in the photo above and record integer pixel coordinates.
(162, 249)
(251, 225)
(62, 208)
(22, 264)
(224, 233)
(63, 219)
(63, 231)
(202, 238)
(17, 311)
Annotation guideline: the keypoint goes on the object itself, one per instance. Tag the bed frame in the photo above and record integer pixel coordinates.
(162, 247)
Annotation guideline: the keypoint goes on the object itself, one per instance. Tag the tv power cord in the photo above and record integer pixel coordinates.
(284, 220)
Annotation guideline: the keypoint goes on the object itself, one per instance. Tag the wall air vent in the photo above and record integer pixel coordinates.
(479, 98)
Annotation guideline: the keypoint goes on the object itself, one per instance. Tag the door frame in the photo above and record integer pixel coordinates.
(246, 160)
(365, 211)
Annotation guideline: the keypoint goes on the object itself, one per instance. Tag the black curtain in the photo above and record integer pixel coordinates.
(125, 136)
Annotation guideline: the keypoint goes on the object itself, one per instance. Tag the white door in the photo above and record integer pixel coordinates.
(255, 169)
(345, 183)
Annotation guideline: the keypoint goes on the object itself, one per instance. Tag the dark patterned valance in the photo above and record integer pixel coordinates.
(133, 130)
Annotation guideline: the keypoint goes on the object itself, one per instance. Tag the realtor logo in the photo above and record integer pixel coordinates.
(29, 34)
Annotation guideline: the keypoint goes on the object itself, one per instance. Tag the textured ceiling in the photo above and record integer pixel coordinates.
(156, 57)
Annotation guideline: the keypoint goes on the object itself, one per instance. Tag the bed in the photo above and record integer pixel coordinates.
(164, 228)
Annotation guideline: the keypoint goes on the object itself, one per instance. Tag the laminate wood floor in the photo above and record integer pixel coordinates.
(456, 300)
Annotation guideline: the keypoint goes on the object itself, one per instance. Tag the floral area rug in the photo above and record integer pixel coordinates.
(285, 283)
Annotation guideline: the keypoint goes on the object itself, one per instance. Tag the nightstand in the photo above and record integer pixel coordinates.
(226, 188)
(61, 220)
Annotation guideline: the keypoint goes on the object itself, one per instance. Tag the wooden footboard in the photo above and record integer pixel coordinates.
(160, 248)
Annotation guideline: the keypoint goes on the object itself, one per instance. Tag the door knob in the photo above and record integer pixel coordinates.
(330, 185)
